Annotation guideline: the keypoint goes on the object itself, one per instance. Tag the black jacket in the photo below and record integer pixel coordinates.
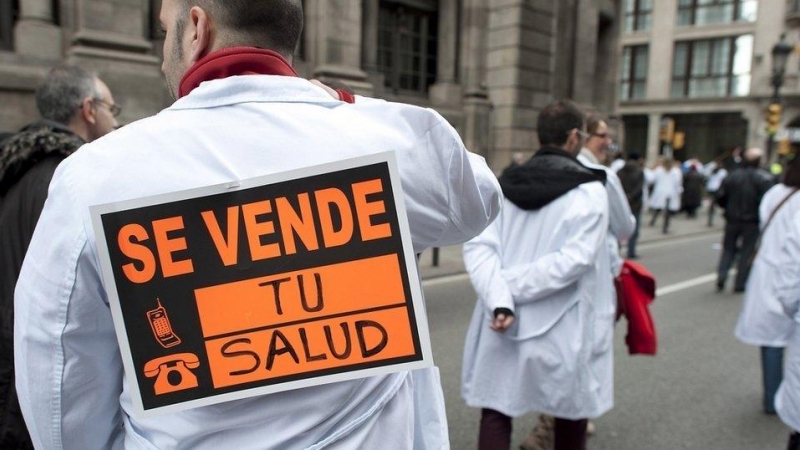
(632, 178)
(27, 163)
(548, 175)
(741, 193)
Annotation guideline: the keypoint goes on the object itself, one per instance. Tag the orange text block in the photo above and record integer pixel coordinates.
(299, 296)
(310, 347)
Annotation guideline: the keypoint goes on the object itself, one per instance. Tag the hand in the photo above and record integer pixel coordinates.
(502, 321)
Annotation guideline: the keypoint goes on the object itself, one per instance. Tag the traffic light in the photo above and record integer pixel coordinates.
(774, 111)
(679, 140)
(784, 147)
(666, 130)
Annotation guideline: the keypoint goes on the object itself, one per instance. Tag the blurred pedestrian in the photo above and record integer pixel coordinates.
(75, 107)
(740, 196)
(632, 177)
(786, 288)
(618, 162)
(541, 272)
(667, 188)
(692, 196)
(716, 174)
(762, 321)
(622, 224)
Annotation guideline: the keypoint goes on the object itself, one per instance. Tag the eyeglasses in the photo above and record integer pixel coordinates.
(113, 108)
(600, 135)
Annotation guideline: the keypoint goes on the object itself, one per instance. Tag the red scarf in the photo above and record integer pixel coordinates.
(234, 61)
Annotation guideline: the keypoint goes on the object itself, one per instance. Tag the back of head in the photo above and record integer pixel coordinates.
(752, 157)
(270, 24)
(62, 92)
(556, 121)
(634, 156)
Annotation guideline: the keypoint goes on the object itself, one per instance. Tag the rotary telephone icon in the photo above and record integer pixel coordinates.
(173, 372)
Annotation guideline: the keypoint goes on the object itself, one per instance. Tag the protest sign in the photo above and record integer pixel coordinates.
(263, 285)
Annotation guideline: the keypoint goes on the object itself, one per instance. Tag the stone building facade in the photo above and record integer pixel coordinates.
(706, 65)
(487, 65)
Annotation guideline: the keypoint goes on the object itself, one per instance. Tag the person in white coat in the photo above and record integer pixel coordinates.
(762, 321)
(224, 128)
(667, 189)
(786, 283)
(622, 223)
(541, 273)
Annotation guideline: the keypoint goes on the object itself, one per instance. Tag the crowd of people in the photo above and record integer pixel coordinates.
(541, 246)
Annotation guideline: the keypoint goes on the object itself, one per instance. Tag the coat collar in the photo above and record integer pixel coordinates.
(231, 62)
(253, 89)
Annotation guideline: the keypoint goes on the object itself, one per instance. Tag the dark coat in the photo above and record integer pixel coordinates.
(741, 193)
(632, 178)
(692, 196)
(27, 163)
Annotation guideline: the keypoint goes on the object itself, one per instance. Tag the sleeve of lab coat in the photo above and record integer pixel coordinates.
(483, 263)
(787, 271)
(586, 232)
(622, 222)
(451, 195)
(67, 361)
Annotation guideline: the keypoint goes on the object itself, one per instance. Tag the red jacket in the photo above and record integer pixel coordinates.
(636, 289)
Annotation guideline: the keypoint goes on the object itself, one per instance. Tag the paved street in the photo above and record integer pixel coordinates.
(702, 391)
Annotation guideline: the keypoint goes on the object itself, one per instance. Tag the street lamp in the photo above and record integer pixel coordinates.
(780, 56)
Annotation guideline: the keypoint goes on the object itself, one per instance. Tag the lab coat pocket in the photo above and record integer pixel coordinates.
(537, 318)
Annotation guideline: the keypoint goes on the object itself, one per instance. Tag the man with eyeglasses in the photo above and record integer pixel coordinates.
(75, 107)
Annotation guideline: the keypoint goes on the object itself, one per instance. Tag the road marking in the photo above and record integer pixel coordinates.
(660, 292)
(678, 240)
(672, 288)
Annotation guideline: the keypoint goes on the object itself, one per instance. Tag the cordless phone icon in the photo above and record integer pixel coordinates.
(162, 329)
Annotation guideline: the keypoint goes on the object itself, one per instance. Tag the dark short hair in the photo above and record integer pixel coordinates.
(792, 176)
(634, 156)
(555, 122)
(271, 24)
(62, 92)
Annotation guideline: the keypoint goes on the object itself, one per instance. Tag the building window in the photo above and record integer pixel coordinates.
(794, 6)
(9, 11)
(704, 12)
(633, 73)
(638, 15)
(407, 45)
(712, 68)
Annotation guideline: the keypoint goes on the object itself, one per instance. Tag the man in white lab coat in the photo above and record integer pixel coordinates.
(542, 275)
(241, 113)
(786, 287)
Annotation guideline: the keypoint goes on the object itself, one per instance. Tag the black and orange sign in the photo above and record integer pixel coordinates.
(284, 282)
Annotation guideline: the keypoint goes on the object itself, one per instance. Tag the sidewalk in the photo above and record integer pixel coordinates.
(451, 262)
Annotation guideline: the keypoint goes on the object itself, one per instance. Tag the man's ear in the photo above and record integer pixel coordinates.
(201, 33)
(88, 111)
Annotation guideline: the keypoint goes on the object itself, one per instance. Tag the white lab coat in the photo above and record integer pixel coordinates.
(69, 371)
(549, 266)
(762, 321)
(787, 290)
(667, 185)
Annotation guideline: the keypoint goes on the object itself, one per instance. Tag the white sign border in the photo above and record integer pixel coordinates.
(420, 312)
